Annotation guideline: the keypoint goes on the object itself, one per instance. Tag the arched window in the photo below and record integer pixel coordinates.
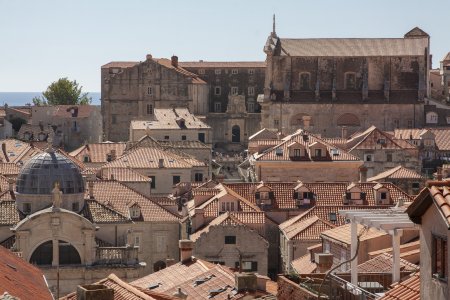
(43, 255)
(305, 81)
(159, 265)
(235, 134)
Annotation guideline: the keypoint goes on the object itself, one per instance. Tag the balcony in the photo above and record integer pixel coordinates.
(126, 255)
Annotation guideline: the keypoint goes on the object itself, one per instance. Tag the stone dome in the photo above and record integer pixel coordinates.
(39, 174)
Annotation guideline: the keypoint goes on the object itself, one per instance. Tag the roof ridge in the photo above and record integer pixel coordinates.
(129, 287)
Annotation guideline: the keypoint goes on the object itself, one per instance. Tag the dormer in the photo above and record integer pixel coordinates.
(27, 135)
(381, 194)
(297, 151)
(228, 203)
(135, 211)
(354, 195)
(303, 196)
(318, 151)
(264, 195)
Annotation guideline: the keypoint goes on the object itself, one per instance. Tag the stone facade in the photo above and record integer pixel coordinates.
(345, 82)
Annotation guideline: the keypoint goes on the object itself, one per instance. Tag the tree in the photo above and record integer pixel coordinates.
(63, 91)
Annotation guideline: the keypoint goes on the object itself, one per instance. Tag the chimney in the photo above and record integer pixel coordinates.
(111, 176)
(94, 292)
(186, 247)
(113, 154)
(245, 282)
(91, 189)
(344, 132)
(439, 174)
(4, 152)
(148, 57)
(161, 163)
(175, 61)
(324, 261)
(362, 174)
(306, 122)
(170, 262)
(180, 294)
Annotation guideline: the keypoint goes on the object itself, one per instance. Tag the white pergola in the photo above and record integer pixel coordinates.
(392, 221)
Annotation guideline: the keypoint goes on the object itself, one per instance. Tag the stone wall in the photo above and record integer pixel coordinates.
(290, 290)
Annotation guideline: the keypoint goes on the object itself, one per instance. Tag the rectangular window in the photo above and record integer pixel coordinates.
(232, 206)
(368, 157)
(439, 258)
(234, 71)
(396, 123)
(75, 206)
(149, 109)
(217, 71)
(250, 107)
(410, 123)
(251, 71)
(234, 90)
(166, 137)
(198, 177)
(161, 243)
(383, 196)
(333, 217)
(217, 91)
(297, 152)
(176, 179)
(113, 119)
(251, 91)
(137, 240)
(230, 239)
(389, 157)
(248, 266)
(217, 107)
(153, 183)
(350, 79)
(276, 123)
(201, 71)
(201, 137)
(26, 208)
(415, 185)
(150, 91)
(183, 137)
(318, 152)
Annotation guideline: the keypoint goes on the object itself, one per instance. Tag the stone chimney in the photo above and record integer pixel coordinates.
(306, 122)
(175, 61)
(186, 247)
(362, 174)
(245, 282)
(170, 262)
(180, 294)
(94, 292)
(439, 174)
(91, 189)
(344, 132)
(324, 261)
(161, 163)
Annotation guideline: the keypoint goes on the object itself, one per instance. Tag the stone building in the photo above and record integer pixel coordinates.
(131, 90)
(325, 84)
(440, 80)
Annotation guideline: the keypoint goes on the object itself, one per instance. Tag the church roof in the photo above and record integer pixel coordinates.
(223, 64)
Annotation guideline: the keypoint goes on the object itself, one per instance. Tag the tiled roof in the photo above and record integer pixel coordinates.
(446, 57)
(81, 111)
(441, 197)
(326, 193)
(9, 242)
(99, 213)
(8, 169)
(124, 175)
(304, 265)
(383, 264)
(408, 289)
(4, 185)
(148, 158)
(168, 64)
(9, 214)
(125, 291)
(118, 196)
(98, 152)
(184, 144)
(398, 172)
(21, 279)
(17, 151)
(166, 118)
(369, 139)
(354, 47)
(343, 233)
(441, 136)
(308, 229)
(223, 64)
(264, 134)
(280, 152)
(120, 64)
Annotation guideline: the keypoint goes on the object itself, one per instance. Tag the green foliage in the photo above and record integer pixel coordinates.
(63, 91)
(17, 123)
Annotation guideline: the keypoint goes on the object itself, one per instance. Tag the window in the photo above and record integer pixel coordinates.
(410, 123)
(234, 90)
(150, 91)
(396, 123)
(183, 137)
(333, 217)
(305, 81)
(276, 123)
(383, 196)
(350, 81)
(251, 91)
(153, 183)
(161, 243)
(149, 109)
(439, 258)
(234, 71)
(248, 266)
(251, 71)
(201, 71)
(201, 137)
(75, 206)
(86, 159)
(318, 152)
(389, 157)
(217, 90)
(114, 119)
(217, 71)
(135, 212)
(198, 177)
(297, 152)
(415, 185)
(176, 179)
(326, 247)
(137, 240)
(26, 208)
(108, 157)
(368, 157)
(250, 107)
(217, 107)
(230, 239)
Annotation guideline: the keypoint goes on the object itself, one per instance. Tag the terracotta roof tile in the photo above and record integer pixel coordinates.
(168, 64)
(9, 214)
(398, 172)
(9, 169)
(120, 64)
(304, 265)
(264, 134)
(307, 229)
(80, 111)
(369, 139)
(342, 233)
(101, 213)
(166, 118)
(223, 64)
(21, 279)
(18, 151)
(383, 264)
(124, 175)
(408, 289)
(98, 153)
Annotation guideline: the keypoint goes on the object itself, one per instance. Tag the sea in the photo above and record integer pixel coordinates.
(23, 98)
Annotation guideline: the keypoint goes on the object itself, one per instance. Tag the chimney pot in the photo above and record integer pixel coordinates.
(186, 247)
(94, 292)
(161, 163)
(175, 61)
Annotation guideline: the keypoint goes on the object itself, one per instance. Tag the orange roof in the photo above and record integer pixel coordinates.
(398, 172)
(304, 265)
(124, 175)
(342, 233)
(81, 111)
(17, 151)
(9, 168)
(383, 264)
(408, 289)
(369, 139)
(120, 64)
(307, 229)
(21, 279)
(168, 64)
(98, 153)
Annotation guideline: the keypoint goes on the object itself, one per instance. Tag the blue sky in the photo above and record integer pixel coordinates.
(41, 41)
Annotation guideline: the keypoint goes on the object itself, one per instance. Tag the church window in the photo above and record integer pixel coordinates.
(218, 71)
(234, 71)
(250, 107)
(234, 90)
(251, 91)
(217, 107)
(149, 109)
(217, 91)
(350, 81)
(305, 81)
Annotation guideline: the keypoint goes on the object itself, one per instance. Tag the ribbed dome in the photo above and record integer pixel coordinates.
(40, 173)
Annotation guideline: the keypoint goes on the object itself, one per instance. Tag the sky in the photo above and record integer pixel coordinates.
(42, 41)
